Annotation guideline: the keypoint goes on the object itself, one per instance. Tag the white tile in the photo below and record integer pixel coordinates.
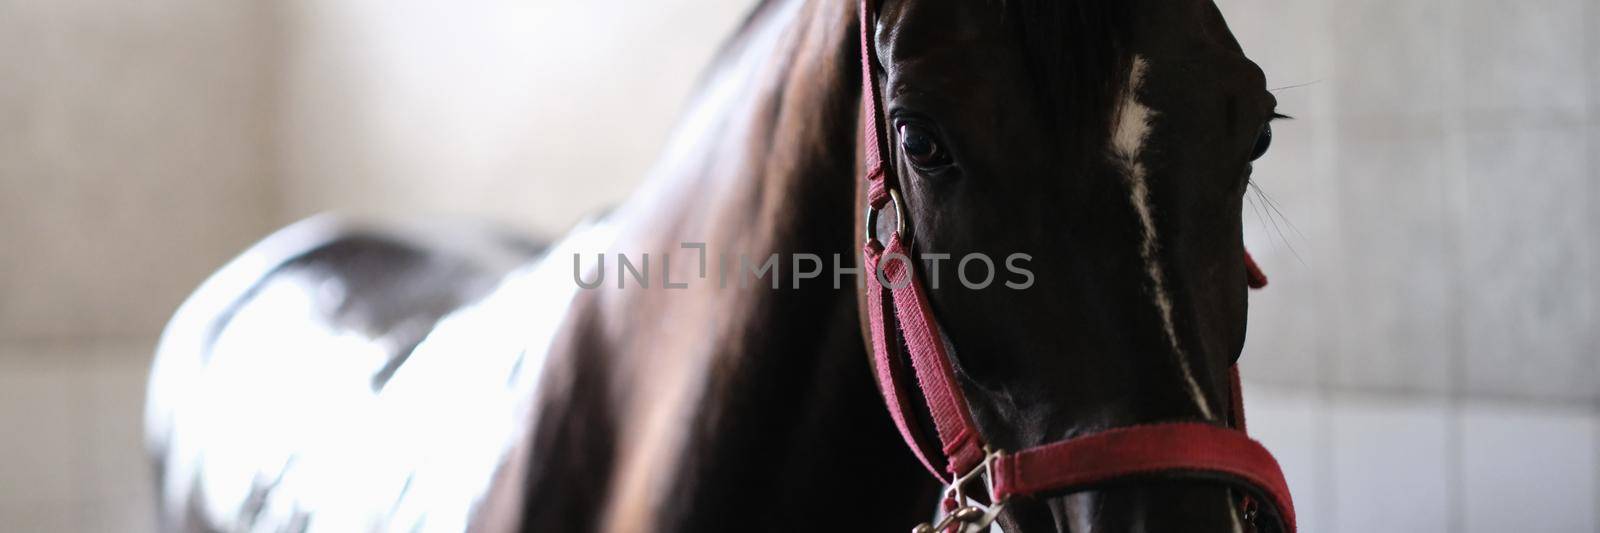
(1593, 192)
(1527, 309)
(1592, 15)
(1528, 58)
(1391, 465)
(43, 441)
(72, 439)
(107, 224)
(45, 517)
(1289, 422)
(1395, 58)
(1529, 469)
(1398, 278)
(119, 467)
(123, 515)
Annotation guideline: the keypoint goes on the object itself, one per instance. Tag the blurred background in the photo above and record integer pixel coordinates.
(1425, 359)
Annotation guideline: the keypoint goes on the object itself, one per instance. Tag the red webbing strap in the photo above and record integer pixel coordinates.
(888, 366)
(947, 404)
(959, 447)
(886, 361)
(1153, 450)
(879, 175)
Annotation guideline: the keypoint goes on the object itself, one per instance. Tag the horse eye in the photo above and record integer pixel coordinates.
(1263, 142)
(922, 148)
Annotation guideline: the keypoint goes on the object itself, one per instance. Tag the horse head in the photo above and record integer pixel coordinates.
(1104, 148)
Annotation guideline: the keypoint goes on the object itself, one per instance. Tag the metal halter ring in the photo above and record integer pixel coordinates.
(970, 517)
(899, 217)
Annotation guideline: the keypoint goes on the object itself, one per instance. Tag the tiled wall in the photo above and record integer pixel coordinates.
(135, 157)
(1426, 357)
(534, 114)
(144, 144)
(72, 444)
(1437, 195)
(1360, 461)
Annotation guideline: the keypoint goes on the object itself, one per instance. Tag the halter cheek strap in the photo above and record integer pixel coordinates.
(899, 316)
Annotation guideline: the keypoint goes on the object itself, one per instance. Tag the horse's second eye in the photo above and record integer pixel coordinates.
(922, 148)
(1263, 142)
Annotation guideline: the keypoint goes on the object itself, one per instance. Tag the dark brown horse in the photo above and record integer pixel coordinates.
(344, 377)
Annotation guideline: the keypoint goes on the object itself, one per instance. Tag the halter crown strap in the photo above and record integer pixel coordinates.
(896, 302)
(880, 177)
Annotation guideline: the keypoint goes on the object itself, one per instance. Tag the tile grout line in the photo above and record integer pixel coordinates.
(1323, 428)
(1457, 204)
(1324, 475)
(1591, 16)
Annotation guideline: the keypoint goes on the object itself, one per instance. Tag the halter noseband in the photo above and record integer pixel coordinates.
(1174, 449)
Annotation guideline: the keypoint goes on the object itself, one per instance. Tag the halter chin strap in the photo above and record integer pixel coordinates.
(896, 302)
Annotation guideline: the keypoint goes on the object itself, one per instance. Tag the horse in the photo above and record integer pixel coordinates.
(347, 375)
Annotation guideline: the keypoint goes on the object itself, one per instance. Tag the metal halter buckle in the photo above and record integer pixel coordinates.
(972, 517)
(899, 217)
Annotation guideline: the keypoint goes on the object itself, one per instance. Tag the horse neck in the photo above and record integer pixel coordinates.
(755, 404)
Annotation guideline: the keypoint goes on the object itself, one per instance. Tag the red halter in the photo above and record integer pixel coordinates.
(1186, 449)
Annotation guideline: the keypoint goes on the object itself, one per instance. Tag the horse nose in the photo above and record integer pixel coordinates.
(1151, 507)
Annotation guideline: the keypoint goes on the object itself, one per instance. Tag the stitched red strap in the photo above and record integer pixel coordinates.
(947, 404)
(959, 447)
(886, 361)
(880, 177)
(1154, 450)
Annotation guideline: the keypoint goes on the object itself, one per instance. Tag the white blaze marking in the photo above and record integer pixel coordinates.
(1130, 130)
(1233, 516)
